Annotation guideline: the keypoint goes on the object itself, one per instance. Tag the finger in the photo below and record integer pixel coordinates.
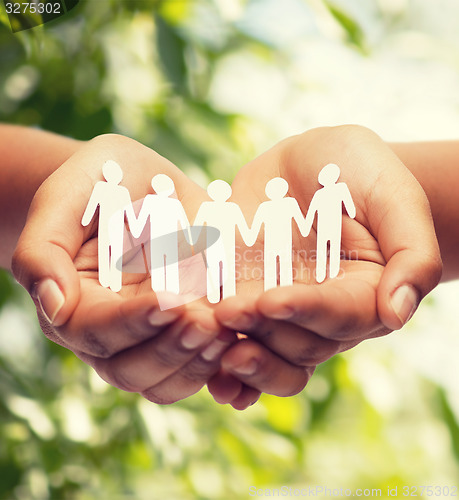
(390, 203)
(403, 226)
(142, 367)
(407, 238)
(105, 323)
(296, 344)
(53, 233)
(258, 367)
(43, 260)
(339, 310)
(192, 376)
(224, 387)
(248, 396)
(227, 389)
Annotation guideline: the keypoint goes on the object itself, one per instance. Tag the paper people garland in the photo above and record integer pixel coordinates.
(167, 219)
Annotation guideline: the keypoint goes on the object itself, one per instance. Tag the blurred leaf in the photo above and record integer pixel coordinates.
(450, 420)
(7, 288)
(4, 16)
(24, 20)
(353, 31)
(171, 50)
(175, 11)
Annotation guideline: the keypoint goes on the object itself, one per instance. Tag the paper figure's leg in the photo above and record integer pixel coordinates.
(116, 263)
(172, 276)
(285, 268)
(213, 279)
(158, 276)
(321, 260)
(229, 279)
(335, 250)
(104, 259)
(270, 269)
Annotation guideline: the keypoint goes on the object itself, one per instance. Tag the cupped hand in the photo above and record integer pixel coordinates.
(165, 355)
(390, 255)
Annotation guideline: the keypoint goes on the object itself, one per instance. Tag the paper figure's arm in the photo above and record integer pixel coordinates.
(244, 229)
(348, 201)
(256, 226)
(136, 225)
(299, 219)
(92, 205)
(309, 221)
(130, 214)
(185, 224)
(199, 221)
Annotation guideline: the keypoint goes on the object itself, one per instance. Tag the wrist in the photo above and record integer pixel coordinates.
(27, 157)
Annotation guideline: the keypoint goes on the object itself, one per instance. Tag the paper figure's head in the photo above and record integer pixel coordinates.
(219, 190)
(112, 172)
(163, 185)
(276, 188)
(329, 174)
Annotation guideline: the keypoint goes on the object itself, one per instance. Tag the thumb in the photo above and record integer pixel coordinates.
(43, 259)
(409, 245)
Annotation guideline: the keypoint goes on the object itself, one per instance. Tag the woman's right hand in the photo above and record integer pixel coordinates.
(126, 337)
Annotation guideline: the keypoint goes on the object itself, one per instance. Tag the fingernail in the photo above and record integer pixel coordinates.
(404, 302)
(247, 368)
(160, 318)
(195, 336)
(50, 298)
(283, 313)
(243, 321)
(214, 350)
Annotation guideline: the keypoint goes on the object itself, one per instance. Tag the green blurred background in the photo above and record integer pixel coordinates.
(210, 84)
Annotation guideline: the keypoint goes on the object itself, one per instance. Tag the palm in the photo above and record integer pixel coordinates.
(362, 255)
(345, 307)
(136, 261)
(99, 309)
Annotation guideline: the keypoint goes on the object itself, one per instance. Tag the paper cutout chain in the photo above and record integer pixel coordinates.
(213, 233)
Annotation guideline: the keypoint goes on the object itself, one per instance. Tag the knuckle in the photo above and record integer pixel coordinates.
(346, 328)
(434, 269)
(263, 334)
(153, 397)
(298, 385)
(91, 344)
(349, 134)
(121, 382)
(266, 376)
(315, 353)
(111, 373)
(199, 370)
(104, 138)
(167, 356)
(20, 263)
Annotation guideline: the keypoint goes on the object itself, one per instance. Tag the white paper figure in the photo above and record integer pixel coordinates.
(114, 202)
(328, 202)
(277, 215)
(167, 217)
(224, 216)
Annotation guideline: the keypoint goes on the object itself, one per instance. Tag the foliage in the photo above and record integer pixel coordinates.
(144, 69)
